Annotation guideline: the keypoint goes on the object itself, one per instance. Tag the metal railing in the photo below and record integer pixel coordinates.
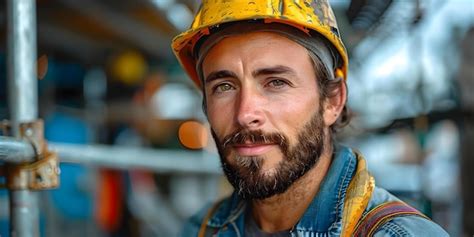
(14, 150)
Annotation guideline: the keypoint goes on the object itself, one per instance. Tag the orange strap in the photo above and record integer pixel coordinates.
(381, 214)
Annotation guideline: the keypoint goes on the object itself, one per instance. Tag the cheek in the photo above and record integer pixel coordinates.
(296, 116)
(220, 118)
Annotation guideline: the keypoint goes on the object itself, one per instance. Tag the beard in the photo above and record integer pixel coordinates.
(245, 173)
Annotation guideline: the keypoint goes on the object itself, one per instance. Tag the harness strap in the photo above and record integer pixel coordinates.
(381, 214)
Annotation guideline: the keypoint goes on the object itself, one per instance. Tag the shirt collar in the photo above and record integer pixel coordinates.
(326, 208)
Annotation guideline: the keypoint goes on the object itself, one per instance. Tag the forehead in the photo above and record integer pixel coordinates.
(267, 47)
(256, 39)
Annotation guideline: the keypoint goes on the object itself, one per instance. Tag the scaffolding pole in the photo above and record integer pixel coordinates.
(15, 150)
(23, 104)
(158, 160)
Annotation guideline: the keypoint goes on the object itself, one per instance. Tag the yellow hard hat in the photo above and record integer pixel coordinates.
(306, 15)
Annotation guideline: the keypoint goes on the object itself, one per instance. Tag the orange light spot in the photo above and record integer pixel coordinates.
(193, 135)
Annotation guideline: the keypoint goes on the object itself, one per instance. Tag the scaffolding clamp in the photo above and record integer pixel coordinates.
(43, 172)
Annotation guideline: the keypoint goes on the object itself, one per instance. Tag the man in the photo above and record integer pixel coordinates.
(273, 78)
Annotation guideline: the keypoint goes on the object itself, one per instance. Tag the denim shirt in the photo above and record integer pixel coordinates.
(323, 217)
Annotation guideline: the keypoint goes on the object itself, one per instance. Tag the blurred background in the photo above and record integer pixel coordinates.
(116, 102)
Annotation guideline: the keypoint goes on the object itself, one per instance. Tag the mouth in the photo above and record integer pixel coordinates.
(253, 149)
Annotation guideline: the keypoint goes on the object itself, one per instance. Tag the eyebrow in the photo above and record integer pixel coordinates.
(279, 69)
(220, 74)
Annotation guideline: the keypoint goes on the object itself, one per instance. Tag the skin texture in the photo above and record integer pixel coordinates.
(265, 82)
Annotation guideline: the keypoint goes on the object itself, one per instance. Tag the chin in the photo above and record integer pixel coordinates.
(268, 172)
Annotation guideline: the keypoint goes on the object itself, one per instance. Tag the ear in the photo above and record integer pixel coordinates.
(334, 104)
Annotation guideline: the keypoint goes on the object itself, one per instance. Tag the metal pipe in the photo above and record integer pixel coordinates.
(14, 150)
(161, 160)
(23, 104)
(22, 76)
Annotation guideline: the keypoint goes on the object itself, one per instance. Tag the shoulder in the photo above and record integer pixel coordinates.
(379, 196)
(409, 225)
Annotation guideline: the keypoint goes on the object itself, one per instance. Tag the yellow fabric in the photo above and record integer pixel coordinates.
(306, 15)
(358, 196)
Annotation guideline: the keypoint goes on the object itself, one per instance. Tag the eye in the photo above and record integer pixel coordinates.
(223, 87)
(277, 83)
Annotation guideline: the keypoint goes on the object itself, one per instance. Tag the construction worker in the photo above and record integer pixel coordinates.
(273, 76)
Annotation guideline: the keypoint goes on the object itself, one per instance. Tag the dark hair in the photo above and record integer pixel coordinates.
(330, 87)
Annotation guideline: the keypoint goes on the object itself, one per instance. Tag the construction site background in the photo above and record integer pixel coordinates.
(136, 154)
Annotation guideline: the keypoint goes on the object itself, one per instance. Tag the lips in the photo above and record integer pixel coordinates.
(253, 149)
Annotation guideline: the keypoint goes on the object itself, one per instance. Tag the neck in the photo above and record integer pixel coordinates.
(273, 214)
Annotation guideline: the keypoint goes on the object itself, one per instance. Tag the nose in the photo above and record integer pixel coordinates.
(250, 114)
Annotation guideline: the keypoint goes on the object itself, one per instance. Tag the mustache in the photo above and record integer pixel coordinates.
(242, 136)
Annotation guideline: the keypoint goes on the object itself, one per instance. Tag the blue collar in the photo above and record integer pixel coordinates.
(324, 212)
